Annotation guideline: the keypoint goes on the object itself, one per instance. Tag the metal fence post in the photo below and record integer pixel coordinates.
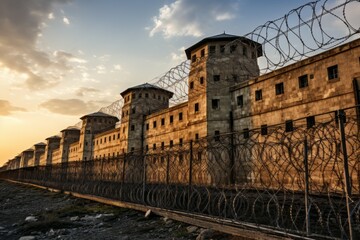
(346, 171)
(306, 168)
(190, 172)
(144, 178)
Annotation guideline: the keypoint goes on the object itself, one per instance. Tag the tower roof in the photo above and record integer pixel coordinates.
(40, 144)
(146, 86)
(98, 114)
(53, 137)
(221, 38)
(71, 128)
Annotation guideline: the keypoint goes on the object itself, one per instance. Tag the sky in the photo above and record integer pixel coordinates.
(62, 59)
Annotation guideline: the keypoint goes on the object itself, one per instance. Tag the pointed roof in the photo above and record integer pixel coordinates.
(221, 38)
(98, 114)
(146, 86)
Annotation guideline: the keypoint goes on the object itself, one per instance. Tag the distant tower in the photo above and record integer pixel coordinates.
(92, 124)
(25, 157)
(53, 143)
(140, 101)
(217, 63)
(68, 136)
(39, 150)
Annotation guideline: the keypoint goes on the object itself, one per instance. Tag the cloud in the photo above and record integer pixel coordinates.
(118, 67)
(6, 108)
(51, 15)
(66, 20)
(189, 18)
(85, 90)
(71, 106)
(21, 23)
(179, 56)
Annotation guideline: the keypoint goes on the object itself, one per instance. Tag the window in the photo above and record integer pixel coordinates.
(222, 48)
(147, 147)
(131, 150)
(133, 96)
(199, 155)
(289, 126)
(191, 85)
(180, 116)
(202, 53)
(217, 136)
(215, 103)
(171, 119)
(180, 142)
(140, 95)
(244, 51)
(146, 95)
(201, 80)
(104, 139)
(303, 81)
(258, 95)
(132, 127)
(162, 145)
(264, 130)
(310, 121)
(154, 146)
(233, 48)
(114, 137)
(193, 58)
(154, 124)
(240, 100)
(181, 159)
(196, 136)
(124, 129)
(246, 133)
(147, 126)
(332, 72)
(109, 138)
(118, 136)
(212, 49)
(196, 107)
(100, 141)
(133, 110)
(171, 143)
(279, 88)
(162, 121)
(216, 78)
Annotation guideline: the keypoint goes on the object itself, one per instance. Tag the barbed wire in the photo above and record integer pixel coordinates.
(301, 33)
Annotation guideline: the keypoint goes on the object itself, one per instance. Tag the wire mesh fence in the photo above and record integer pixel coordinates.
(304, 179)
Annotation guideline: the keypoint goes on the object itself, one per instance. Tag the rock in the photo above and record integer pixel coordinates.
(2, 228)
(191, 229)
(76, 218)
(27, 238)
(30, 219)
(148, 213)
(206, 234)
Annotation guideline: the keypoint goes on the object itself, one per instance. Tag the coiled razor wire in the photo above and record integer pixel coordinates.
(301, 33)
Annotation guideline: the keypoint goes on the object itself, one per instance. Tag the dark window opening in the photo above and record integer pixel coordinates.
(303, 81)
(264, 129)
(240, 100)
(162, 145)
(216, 78)
(310, 121)
(191, 85)
(193, 58)
(215, 103)
(147, 148)
(132, 127)
(180, 142)
(147, 126)
(279, 88)
(202, 53)
(196, 107)
(140, 95)
(171, 143)
(162, 121)
(258, 95)
(332, 72)
(212, 49)
(217, 135)
(244, 51)
(171, 119)
(222, 48)
(201, 80)
(233, 48)
(154, 124)
(196, 136)
(133, 110)
(154, 146)
(180, 116)
(146, 95)
(289, 126)
(246, 133)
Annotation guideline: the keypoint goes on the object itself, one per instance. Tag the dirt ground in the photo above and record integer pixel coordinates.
(29, 213)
